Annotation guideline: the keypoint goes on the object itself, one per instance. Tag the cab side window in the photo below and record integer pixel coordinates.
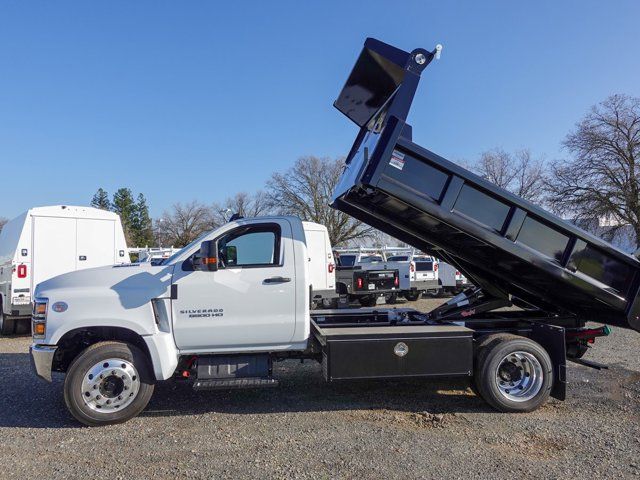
(251, 246)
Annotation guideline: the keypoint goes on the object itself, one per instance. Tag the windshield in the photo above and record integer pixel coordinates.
(173, 257)
(347, 260)
(371, 259)
(398, 258)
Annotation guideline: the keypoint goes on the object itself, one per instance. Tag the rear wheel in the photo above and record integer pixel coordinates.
(368, 301)
(513, 373)
(413, 295)
(22, 326)
(109, 382)
(7, 325)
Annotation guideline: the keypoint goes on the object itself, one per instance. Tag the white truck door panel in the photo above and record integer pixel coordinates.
(244, 304)
(95, 243)
(54, 247)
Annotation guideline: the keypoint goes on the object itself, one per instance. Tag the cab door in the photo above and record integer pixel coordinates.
(249, 302)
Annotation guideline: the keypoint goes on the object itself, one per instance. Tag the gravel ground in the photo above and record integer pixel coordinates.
(306, 429)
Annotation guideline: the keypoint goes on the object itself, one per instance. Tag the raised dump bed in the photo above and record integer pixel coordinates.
(507, 246)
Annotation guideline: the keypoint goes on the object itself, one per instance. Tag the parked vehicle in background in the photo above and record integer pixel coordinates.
(153, 255)
(423, 273)
(322, 266)
(45, 242)
(451, 280)
(362, 275)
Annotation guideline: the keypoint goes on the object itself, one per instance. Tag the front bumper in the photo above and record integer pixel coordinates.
(42, 360)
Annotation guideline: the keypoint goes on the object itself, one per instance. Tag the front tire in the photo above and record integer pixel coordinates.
(513, 373)
(108, 383)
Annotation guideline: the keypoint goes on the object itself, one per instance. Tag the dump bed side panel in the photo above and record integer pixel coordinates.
(502, 242)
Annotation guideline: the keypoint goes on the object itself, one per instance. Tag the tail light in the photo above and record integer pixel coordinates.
(396, 280)
(457, 273)
(22, 271)
(359, 283)
(412, 267)
(435, 267)
(331, 267)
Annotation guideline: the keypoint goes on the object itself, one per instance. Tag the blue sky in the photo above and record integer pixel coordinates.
(198, 100)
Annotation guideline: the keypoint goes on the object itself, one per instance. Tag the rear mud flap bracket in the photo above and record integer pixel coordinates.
(552, 338)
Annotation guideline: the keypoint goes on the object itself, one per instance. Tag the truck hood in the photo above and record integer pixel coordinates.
(118, 296)
(122, 280)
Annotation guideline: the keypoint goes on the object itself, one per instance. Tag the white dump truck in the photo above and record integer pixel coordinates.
(47, 241)
(222, 310)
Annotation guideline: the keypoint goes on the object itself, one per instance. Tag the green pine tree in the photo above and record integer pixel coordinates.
(101, 200)
(142, 228)
(125, 206)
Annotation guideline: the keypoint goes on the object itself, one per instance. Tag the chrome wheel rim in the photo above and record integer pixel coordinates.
(519, 376)
(110, 385)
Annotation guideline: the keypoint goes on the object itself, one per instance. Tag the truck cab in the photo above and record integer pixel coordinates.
(248, 293)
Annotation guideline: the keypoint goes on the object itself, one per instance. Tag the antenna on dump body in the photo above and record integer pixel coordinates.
(438, 51)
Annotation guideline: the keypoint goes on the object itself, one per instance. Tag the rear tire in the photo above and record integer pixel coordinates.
(7, 325)
(369, 301)
(108, 383)
(22, 326)
(513, 373)
(413, 295)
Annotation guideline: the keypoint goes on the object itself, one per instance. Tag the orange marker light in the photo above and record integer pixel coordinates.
(38, 329)
(41, 308)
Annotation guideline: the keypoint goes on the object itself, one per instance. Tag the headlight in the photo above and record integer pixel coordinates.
(39, 318)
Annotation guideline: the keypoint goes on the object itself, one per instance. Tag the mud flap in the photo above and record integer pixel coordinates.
(552, 338)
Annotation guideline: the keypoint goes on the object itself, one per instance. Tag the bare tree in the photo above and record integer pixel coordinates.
(518, 173)
(602, 180)
(183, 223)
(306, 190)
(242, 203)
(3, 222)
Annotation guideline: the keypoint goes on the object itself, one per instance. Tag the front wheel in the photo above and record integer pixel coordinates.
(513, 373)
(109, 382)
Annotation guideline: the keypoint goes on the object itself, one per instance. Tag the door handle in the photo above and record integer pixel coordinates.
(277, 280)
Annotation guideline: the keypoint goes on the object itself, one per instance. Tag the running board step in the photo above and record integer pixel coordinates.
(234, 383)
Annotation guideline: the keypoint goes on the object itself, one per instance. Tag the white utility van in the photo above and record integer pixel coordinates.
(322, 267)
(452, 281)
(48, 241)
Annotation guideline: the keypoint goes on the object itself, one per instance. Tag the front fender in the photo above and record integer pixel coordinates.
(164, 354)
